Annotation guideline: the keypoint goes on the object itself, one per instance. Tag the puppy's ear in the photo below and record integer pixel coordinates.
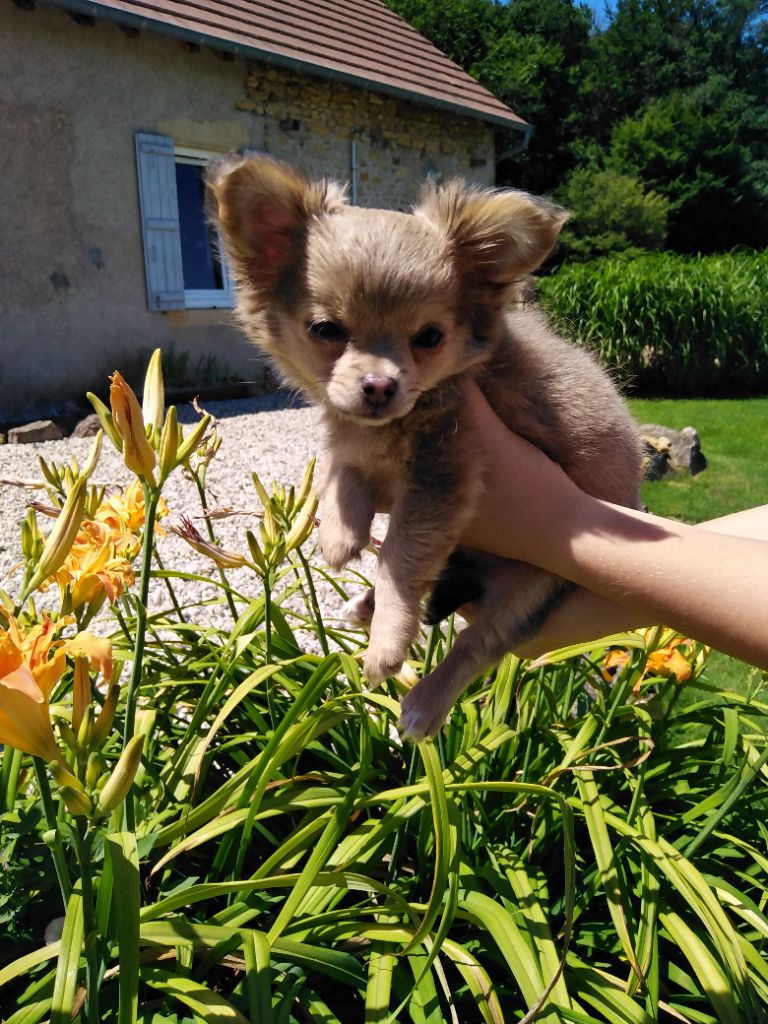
(263, 208)
(498, 236)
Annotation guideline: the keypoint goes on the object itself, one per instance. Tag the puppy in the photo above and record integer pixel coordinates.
(378, 316)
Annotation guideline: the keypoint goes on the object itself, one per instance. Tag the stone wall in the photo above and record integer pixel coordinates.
(388, 145)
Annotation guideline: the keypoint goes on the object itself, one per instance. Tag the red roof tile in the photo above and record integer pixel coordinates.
(361, 42)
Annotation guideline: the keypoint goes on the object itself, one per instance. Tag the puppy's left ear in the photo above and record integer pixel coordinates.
(263, 209)
(498, 236)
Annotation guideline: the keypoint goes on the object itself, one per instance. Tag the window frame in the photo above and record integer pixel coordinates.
(206, 298)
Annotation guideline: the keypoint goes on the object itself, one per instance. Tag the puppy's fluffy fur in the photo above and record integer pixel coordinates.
(377, 316)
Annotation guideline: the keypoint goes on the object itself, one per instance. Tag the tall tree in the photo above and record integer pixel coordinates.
(529, 53)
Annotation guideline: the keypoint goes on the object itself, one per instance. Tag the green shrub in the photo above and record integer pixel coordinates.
(611, 213)
(669, 323)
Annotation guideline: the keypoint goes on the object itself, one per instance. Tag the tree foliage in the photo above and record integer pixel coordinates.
(665, 104)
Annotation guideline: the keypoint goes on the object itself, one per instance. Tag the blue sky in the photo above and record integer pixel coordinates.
(598, 6)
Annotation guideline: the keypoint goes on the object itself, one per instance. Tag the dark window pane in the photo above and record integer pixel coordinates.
(198, 255)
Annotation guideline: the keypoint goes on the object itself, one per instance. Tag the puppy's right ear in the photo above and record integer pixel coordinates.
(263, 208)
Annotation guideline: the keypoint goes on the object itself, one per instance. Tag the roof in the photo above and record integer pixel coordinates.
(360, 42)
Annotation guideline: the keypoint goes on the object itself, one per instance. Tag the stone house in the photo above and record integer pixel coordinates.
(109, 112)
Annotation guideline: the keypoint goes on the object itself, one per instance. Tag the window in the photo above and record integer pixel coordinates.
(181, 250)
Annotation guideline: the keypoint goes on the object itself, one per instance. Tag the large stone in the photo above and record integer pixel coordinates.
(89, 426)
(39, 430)
(672, 451)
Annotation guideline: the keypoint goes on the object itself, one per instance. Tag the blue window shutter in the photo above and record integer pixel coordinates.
(160, 221)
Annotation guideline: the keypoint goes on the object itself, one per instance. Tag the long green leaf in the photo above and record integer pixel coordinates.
(124, 858)
(65, 985)
(203, 1001)
(258, 981)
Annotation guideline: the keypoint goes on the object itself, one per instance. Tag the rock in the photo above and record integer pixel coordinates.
(672, 451)
(656, 458)
(39, 430)
(89, 426)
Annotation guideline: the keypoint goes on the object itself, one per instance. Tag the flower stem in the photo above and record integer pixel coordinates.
(56, 845)
(151, 498)
(212, 538)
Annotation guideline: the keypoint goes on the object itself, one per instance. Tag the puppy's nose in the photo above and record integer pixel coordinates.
(378, 390)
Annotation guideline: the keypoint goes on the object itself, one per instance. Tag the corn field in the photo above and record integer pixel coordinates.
(669, 323)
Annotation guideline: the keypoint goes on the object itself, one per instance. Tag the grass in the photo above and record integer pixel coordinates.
(734, 439)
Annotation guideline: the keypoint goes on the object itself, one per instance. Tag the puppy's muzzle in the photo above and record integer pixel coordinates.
(378, 391)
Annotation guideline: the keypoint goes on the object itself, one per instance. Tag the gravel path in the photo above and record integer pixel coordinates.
(267, 434)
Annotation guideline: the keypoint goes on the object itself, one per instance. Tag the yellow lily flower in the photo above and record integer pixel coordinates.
(98, 565)
(31, 663)
(129, 422)
(125, 511)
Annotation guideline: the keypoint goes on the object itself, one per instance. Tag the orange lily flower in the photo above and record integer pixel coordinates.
(677, 658)
(31, 663)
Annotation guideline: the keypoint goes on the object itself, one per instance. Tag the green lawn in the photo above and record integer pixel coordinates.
(734, 439)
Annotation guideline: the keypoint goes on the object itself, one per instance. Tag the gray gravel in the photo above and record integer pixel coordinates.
(269, 434)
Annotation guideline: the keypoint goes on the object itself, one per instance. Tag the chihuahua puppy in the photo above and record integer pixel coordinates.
(379, 316)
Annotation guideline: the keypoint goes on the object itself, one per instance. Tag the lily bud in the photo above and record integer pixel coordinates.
(49, 472)
(190, 446)
(61, 538)
(105, 419)
(119, 783)
(31, 541)
(76, 801)
(103, 723)
(169, 444)
(81, 691)
(271, 528)
(256, 553)
(94, 769)
(94, 455)
(305, 522)
(85, 732)
(153, 399)
(260, 490)
(68, 735)
(129, 422)
(64, 777)
(306, 483)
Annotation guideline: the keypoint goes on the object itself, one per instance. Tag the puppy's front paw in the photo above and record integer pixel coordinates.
(358, 611)
(421, 717)
(339, 545)
(382, 661)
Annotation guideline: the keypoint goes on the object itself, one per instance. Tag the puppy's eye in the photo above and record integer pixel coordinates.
(428, 337)
(327, 330)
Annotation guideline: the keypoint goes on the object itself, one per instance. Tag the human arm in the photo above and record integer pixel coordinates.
(708, 581)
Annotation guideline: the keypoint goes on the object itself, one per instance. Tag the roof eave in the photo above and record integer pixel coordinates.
(97, 10)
